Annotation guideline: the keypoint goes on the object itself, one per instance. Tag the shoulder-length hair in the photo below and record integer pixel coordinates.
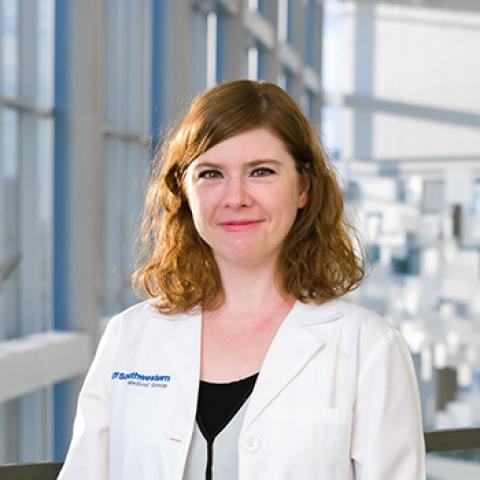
(318, 261)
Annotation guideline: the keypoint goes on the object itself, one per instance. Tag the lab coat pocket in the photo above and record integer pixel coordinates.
(318, 441)
(331, 438)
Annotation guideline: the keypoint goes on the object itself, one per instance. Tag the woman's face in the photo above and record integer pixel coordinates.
(244, 194)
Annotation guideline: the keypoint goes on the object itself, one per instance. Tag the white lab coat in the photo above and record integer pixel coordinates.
(336, 399)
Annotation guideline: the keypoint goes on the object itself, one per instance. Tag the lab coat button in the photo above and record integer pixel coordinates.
(251, 444)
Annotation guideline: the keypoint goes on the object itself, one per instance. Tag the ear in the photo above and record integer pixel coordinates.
(304, 188)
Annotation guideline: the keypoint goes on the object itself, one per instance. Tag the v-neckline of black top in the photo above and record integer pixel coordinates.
(219, 402)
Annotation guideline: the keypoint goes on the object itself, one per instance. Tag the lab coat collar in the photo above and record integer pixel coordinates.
(295, 343)
(297, 340)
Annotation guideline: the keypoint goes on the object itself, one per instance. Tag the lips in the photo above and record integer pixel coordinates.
(239, 225)
(239, 222)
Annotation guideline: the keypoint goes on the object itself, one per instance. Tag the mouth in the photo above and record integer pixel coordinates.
(239, 225)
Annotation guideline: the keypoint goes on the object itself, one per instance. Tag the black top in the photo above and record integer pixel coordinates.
(217, 405)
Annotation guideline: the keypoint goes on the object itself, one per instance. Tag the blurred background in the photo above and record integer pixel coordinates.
(88, 88)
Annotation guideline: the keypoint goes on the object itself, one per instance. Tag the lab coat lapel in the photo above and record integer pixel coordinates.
(295, 343)
(179, 341)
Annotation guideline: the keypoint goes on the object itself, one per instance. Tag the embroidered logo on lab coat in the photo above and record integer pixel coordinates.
(140, 380)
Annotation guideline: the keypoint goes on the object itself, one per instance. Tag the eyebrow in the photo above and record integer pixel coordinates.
(253, 163)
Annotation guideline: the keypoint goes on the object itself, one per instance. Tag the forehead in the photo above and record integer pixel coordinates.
(255, 144)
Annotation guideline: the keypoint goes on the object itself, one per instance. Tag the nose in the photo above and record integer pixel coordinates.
(236, 193)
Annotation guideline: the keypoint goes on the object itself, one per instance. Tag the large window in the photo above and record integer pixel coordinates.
(409, 157)
(127, 141)
(87, 90)
(26, 152)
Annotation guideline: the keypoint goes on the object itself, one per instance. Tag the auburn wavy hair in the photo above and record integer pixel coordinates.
(319, 259)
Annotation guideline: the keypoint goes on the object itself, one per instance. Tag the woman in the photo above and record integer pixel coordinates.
(245, 363)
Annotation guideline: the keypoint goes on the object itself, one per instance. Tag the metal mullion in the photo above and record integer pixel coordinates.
(133, 72)
(45, 210)
(158, 60)
(122, 216)
(199, 49)
(2, 21)
(25, 106)
(111, 74)
(117, 186)
(121, 121)
(3, 228)
(137, 179)
(131, 162)
(143, 34)
(49, 253)
(147, 71)
(33, 407)
(111, 131)
(109, 183)
(115, 56)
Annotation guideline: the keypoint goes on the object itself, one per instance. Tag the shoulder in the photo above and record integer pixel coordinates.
(350, 314)
(357, 327)
(378, 340)
(370, 323)
(136, 318)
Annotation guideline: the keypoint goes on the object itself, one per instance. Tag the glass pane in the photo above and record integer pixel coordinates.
(35, 225)
(282, 26)
(212, 50)
(307, 103)
(117, 63)
(10, 255)
(459, 464)
(285, 80)
(128, 66)
(262, 62)
(199, 50)
(9, 433)
(310, 19)
(126, 173)
(24, 436)
(45, 52)
(9, 46)
(476, 200)
(45, 219)
(35, 443)
(252, 55)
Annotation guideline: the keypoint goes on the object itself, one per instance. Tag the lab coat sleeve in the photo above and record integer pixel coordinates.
(87, 457)
(387, 435)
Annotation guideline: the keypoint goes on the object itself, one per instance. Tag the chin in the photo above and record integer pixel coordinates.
(245, 257)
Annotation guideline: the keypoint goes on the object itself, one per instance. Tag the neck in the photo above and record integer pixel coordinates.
(249, 291)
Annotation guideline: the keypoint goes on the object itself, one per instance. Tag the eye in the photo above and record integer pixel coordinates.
(262, 172)
(209, 174)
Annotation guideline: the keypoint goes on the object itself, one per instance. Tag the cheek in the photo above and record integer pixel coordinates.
(201, 208)
(289, 214)
(286, 201)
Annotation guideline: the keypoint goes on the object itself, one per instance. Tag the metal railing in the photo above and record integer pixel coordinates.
(435, 441)
(33, 471)
(454, 439)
